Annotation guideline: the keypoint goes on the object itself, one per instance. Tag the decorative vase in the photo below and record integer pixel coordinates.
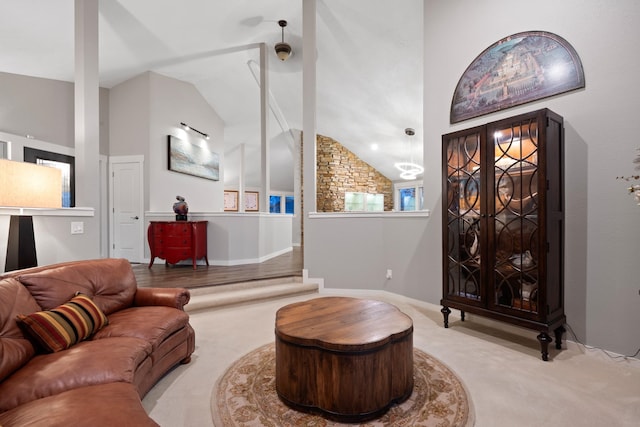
(180, 208)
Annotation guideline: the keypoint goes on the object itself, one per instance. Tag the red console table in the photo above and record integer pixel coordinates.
(175, 241)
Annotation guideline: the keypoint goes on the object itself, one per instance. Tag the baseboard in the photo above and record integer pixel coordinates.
(306, 279)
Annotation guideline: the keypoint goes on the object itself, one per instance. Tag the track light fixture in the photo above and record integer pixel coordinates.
(283, 50)
(187, 127)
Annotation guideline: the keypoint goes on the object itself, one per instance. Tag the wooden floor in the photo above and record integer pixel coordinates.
(168, 276)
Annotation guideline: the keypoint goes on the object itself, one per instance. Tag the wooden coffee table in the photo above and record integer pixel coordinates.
(347, 358)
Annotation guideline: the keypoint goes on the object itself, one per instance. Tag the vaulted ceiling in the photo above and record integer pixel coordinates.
(369, 65)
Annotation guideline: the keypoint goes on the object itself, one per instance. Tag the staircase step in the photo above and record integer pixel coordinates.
(238, 293)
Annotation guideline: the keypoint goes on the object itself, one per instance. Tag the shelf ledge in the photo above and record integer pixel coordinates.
(387, 214)
(70, 212)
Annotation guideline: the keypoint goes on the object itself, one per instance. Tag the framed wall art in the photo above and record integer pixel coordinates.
(192, 159)
(230, 201)
(67, 166)
(518, 69)
(251, 201)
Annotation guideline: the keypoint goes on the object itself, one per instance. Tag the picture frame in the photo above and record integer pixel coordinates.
(230, 201)
(191, 159)
(251, 201)
(521, 68)
(67, 166)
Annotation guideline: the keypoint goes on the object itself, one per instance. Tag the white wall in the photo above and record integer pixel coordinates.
(173, 101)
(147, 108)
(39, 107)
(355, 251)
(53, 238)
(44, 109)
(602, 238)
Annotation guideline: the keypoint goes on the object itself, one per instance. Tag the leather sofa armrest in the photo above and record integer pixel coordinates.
(170, 297)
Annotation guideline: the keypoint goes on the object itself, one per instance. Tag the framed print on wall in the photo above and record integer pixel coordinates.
(251, 201)
(230, 201)
(192, 159)
(518, 69)
(67, 166)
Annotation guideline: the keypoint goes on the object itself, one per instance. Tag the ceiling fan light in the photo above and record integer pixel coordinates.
(283, 51)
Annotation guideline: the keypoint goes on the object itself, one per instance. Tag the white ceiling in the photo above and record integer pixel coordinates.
(369, 65)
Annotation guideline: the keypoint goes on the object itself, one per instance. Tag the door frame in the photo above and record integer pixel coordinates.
(118, 160)
(104, 206)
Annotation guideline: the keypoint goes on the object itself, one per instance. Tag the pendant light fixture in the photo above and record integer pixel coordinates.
(409, 169)
(283, 50)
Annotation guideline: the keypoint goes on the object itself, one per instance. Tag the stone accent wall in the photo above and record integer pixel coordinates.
(340, 171)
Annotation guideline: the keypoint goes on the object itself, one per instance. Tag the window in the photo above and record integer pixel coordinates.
(288, 204)
(375, 202)
(408, 199)
(60, 161)
(409, 196)
(274, 204)
(281, 203)
(363, 202)
(353, 201)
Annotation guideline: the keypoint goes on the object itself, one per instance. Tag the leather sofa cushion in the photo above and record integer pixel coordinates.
(105, 405)
(152, 324)
(15, 349)
(87, 363)
(61, 327)
(109, 282)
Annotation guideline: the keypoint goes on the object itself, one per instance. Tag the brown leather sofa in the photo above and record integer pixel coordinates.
(98, 381)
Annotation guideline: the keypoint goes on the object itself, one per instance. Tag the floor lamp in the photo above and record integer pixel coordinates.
(26, 185)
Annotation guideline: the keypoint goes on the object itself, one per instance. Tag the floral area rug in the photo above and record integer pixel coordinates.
(245, 395)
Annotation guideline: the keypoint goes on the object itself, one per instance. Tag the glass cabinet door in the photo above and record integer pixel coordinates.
(463, 249)
(514, 209)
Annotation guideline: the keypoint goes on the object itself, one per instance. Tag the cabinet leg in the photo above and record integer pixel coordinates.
(462, 315)
(559, 331)
(445, 312)
(544, 339)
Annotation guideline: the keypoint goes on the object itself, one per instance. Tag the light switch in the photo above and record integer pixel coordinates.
(77, 227)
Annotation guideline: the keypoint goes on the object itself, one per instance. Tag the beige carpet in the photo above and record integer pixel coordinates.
(245, 395)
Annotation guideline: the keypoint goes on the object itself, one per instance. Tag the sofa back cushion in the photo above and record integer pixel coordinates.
(109, 282)
(15, 349)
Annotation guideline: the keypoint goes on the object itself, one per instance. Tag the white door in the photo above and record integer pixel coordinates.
(127, 222)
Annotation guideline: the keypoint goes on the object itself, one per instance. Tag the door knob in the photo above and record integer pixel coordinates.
(135, 217)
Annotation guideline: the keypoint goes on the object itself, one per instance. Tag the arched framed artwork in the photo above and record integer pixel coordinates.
(520, 68)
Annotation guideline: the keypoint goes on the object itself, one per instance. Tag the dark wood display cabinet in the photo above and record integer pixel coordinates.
(503, 223)
(175, 241)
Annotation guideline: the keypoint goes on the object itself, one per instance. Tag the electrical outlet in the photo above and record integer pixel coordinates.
(389, 274)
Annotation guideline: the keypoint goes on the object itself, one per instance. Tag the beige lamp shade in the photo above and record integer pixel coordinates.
(27, 185)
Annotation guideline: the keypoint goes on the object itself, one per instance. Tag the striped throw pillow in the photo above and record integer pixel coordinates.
(61, 327)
